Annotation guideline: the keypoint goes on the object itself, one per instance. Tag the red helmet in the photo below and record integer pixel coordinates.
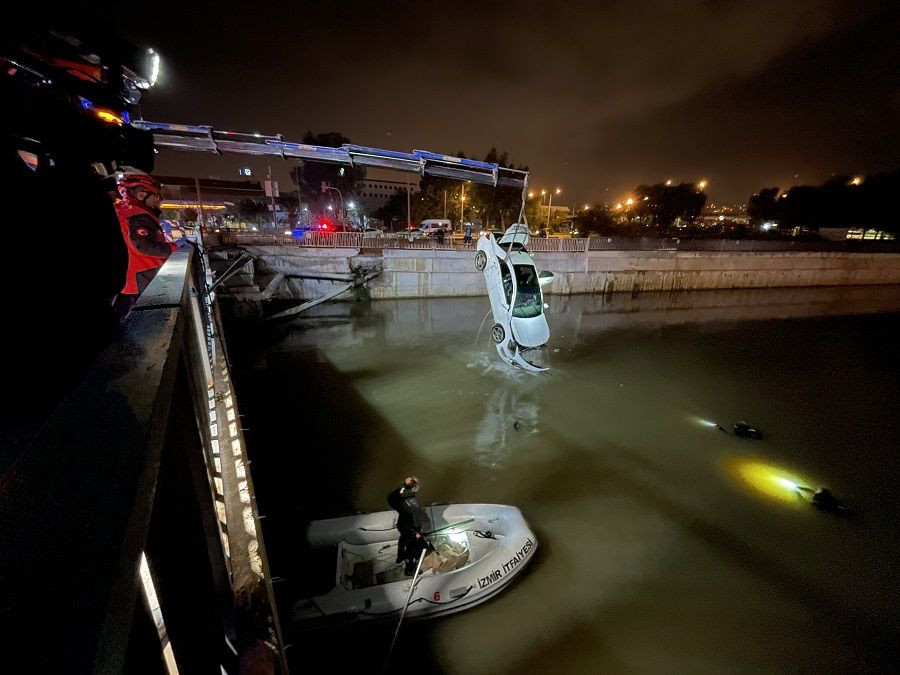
(134, 178)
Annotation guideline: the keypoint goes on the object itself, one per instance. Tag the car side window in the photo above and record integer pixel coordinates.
(506, 276)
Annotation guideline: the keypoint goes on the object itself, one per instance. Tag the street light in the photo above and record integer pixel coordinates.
(462, 205)
(702, 184)
(550, 206)
(325, 188)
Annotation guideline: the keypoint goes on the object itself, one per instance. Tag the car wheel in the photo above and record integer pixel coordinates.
(498, 333)
(481, 261)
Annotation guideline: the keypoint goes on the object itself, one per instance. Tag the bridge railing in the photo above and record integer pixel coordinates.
(118, 552)
(554, 244)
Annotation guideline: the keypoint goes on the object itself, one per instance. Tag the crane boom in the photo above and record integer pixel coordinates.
(202, 138)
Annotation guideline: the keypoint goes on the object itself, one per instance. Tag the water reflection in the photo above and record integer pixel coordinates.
(511, 414)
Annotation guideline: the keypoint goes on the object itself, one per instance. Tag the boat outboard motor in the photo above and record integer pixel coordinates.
(744, 430)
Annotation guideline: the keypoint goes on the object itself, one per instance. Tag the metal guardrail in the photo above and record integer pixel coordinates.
(122, 524)
(560, 244)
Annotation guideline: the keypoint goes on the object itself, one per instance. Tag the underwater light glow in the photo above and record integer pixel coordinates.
(790, 485)
(774, 482)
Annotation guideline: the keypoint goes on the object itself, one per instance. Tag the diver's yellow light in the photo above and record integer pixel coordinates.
(771, 481)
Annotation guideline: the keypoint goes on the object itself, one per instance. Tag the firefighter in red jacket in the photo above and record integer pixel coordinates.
(138, 212)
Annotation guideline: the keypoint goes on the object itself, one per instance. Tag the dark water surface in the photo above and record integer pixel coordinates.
(665, 545)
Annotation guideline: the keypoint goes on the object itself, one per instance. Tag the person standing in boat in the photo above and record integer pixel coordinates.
(409, 523)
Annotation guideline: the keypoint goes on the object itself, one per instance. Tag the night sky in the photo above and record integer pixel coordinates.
(595, 97)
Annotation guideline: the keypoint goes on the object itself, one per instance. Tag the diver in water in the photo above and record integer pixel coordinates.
(824, 500)
(744, 430)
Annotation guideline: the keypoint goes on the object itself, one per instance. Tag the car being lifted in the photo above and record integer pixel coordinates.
(517, 300)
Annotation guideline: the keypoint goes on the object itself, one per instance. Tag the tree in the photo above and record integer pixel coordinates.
(252, 210)
(289, 202)
(841, 201)
(393, 214)
(498, 206)
(661, 205)
(597, 219)
(309, 175)
(533, 214)
(762, 207)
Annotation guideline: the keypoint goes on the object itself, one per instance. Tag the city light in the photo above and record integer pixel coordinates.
(558, 190)
(530, 195)
(857, 180)
(192, 205)
(702, 184)
(619, 205)
(629, 201)
(669, 182)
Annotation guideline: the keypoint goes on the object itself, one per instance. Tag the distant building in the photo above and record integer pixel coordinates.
(709, 219)
(216, 198)
(373, 193)
(185, 188)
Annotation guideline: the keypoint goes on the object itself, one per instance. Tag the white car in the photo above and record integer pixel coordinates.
(372, 232)
(432, 225)
(514, 289)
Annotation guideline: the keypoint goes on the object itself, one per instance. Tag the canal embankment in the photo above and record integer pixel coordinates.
(295, 272)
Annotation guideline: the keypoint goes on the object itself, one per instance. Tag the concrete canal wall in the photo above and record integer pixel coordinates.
(410, 273)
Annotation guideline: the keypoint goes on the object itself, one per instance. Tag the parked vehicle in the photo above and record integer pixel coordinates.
(372, 232)
(432, 225)
(412, 234)
(515, 291)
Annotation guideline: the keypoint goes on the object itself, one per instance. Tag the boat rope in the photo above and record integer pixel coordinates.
(487, 534)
